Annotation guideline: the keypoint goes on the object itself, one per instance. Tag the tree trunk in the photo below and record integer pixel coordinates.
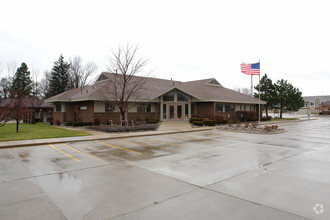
(17, 124)
(122, 113)
(266, 111)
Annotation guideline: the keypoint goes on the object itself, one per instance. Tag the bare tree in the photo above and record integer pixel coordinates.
(6, 79)
(245, 91)
(79, 73)
(124, 85)
(5, 112)
(19, 109)
(35, 83)
(44, 84)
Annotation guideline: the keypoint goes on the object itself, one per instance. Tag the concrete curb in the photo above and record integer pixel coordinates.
(36, 142)
(287, 121)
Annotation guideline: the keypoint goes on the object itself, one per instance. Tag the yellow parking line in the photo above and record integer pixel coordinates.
(66, 154)
(111, 145)
(96, 158)
(158, 142)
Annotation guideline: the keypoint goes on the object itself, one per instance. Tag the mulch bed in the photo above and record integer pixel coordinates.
(253, 128)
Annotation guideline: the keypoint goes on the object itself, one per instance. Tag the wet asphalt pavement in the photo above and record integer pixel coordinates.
(200, 175)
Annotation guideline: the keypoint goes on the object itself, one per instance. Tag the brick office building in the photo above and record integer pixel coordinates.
(159, 98)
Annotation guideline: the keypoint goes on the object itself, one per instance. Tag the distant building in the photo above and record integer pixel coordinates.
(316, 104)
(160, 98)
(40, 111)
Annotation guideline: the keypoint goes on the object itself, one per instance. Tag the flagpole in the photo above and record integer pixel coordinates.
(259, 92)
(251, 85)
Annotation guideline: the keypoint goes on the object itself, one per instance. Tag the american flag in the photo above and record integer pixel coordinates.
(250, 68)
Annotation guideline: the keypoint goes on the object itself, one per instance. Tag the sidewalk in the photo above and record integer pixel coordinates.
(164, 128)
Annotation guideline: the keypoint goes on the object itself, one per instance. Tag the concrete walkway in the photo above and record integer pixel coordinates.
(171, 127)
(174, 126)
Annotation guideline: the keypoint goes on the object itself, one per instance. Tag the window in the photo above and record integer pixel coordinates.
(229, 108)
(182, 96)
(164, 111)
(186, 110)
(109, 107)
(140, 109)
(58, 107)
(144, 108)
(219, 107)
(148, 108)
(169, 96)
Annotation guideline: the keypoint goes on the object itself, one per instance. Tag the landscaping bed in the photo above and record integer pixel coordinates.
(121, 128)
(252, 128)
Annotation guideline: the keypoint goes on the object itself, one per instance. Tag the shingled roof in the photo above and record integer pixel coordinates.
(202, 90)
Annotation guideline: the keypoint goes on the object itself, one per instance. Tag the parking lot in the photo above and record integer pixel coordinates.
(196, 175)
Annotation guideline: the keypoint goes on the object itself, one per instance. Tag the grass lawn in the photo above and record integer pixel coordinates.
(36, 131)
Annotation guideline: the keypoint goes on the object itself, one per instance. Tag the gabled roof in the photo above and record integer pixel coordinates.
(203, 90)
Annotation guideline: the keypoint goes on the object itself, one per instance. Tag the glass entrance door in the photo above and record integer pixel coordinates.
(172, 115)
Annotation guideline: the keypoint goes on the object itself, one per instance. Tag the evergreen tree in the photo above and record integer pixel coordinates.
(22, 81)
(288, 98)
(267, 92)
(59, 79)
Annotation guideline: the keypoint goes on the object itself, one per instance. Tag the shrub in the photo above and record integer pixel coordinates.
(191, 120)
(69, 123)
(265, 118)
(224, 122)
(198, 123)
(97, 121)
(51, 121)
(57, 122)
(209, 122)
(152, 121)
(36, 120)
(78, 124)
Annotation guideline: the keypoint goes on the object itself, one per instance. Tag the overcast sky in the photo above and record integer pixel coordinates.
(184, 40)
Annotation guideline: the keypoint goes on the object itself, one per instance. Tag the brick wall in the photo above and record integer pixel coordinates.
(105, 117)
(205, 110)
(60, 116)
(70, 111)
(85, 115)
(140, 116)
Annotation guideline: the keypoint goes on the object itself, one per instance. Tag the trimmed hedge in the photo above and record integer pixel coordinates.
(265, 118)
(78, 124)
(191, 120)
(198, 123)
(152, 121)
(209, 122)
